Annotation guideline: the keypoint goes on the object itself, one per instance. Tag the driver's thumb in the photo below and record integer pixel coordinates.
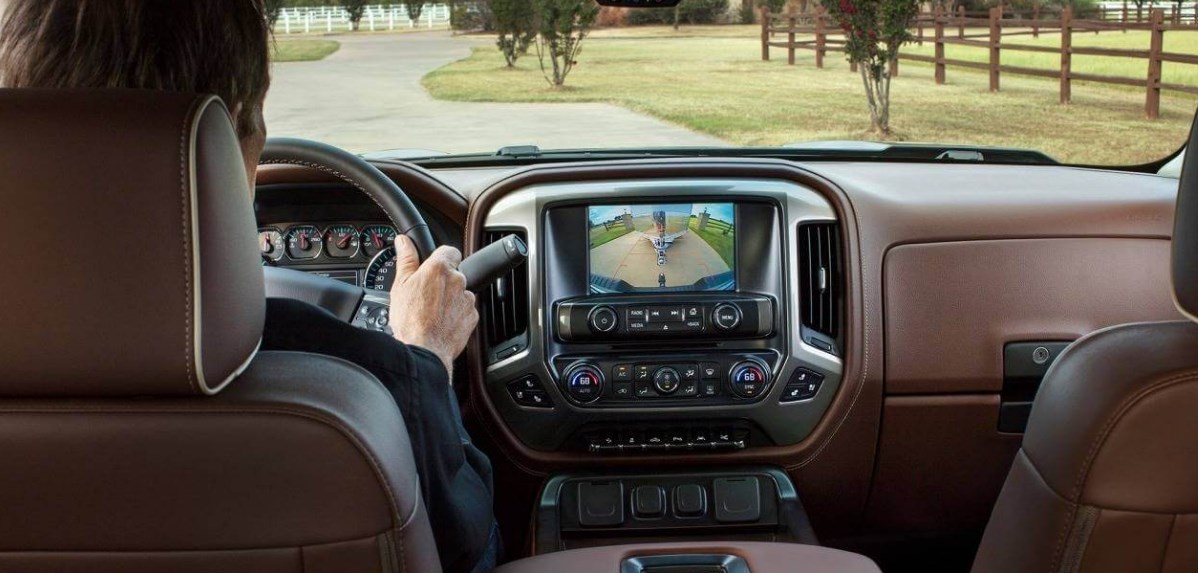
(407, 260)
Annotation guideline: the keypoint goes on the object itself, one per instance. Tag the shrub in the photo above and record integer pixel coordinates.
(690, 12)
(873, 32)
(562, 24)
(471, 17)
(516, 24)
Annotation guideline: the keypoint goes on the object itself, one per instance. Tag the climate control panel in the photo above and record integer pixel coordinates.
(676, 380)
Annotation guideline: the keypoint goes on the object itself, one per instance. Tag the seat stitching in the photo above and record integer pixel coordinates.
(399, 518)
(1100, 440)
(188, 264)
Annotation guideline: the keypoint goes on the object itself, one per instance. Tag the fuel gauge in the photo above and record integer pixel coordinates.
(270, 243)
(304, 242)
(341, 241)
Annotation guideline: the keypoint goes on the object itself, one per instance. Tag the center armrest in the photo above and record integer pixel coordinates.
(759, 557)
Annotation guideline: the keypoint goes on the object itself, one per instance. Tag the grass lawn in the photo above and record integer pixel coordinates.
(711, 79)
(287, 50)
(599, 235)
(714, 236)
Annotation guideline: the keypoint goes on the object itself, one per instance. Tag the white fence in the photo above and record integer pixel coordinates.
(336, 19)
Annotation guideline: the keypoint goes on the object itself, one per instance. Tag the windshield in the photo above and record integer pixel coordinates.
(1083, 82)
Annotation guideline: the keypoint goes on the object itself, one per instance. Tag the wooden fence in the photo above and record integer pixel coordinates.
(827, 37)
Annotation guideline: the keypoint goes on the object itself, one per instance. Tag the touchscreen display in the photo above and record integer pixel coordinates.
(662, 246)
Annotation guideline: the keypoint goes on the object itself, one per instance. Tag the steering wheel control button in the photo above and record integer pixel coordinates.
(726, 316)
(602, 319)
(528, 392)
(666, 380)
(803, 385)
(748, 379)
(584, 383)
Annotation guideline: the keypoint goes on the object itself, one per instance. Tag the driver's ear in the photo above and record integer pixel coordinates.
(252, 142)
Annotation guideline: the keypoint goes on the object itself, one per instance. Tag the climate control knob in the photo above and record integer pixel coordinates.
(749, 379)
(725, 316)
(584, 383)
(666, 380)
(602, 319)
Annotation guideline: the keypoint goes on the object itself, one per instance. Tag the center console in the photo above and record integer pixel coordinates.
(664, 316)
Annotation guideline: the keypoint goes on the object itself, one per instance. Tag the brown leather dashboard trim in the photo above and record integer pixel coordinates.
(415, 181)
(948, 317)
(856, 376)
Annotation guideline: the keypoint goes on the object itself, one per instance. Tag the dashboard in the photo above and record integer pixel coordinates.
(360, 253)
(940, 267)
(335, 231)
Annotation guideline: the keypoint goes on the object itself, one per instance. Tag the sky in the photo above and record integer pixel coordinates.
(721, 211)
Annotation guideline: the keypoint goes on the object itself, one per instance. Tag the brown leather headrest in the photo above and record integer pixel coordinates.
(1185, 232)
(129, 258)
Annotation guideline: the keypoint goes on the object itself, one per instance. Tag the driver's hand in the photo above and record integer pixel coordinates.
(430, 306)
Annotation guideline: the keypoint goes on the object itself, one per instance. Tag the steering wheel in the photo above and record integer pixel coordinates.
(354, 304)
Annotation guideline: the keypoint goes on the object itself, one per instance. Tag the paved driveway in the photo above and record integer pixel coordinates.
(368, 97)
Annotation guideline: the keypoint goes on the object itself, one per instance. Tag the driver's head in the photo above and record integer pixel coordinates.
(203, 46)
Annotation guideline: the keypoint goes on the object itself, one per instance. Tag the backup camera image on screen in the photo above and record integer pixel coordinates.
(663, 246)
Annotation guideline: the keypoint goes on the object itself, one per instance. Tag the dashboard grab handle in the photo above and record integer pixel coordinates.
(493, 261)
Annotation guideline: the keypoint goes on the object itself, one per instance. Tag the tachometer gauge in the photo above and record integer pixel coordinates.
(270, 243)
(303, 242)
(375, 238)
(341, 241)
(380, 273)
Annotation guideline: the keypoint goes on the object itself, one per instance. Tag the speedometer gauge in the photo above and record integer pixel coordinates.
(303, 242)
(375, 238)
(341, 241)
(270, 243)
(380, 273)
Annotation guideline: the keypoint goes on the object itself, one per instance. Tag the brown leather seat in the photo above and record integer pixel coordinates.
(140, 429)
(1107, 477)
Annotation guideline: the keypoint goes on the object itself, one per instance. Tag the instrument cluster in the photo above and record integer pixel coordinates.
(342, 250)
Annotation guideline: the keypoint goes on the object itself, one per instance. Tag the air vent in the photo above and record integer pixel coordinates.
(821, 284)
(505, 307)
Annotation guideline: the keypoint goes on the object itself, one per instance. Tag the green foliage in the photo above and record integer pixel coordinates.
(471, 16)
(272, 8)
(689, 12)
(874, 30)
(515, 22)
(562, 25)
(355, 9)
(775, 6)
(746, 13)
(414, 8)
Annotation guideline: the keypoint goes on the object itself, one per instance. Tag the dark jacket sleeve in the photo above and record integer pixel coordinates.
(455, 476)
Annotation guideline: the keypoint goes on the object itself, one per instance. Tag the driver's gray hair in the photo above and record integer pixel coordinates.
(218, 47)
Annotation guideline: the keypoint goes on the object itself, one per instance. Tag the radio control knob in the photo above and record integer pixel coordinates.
(602, 319)
(666, 380)
(726, 316)
(584, 383)
(749, 379)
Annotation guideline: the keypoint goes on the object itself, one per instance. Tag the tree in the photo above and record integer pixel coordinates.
(874, 30)
(562, 24)
(414, 8)
(515, 21)
(272, 9)
(355, 9)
